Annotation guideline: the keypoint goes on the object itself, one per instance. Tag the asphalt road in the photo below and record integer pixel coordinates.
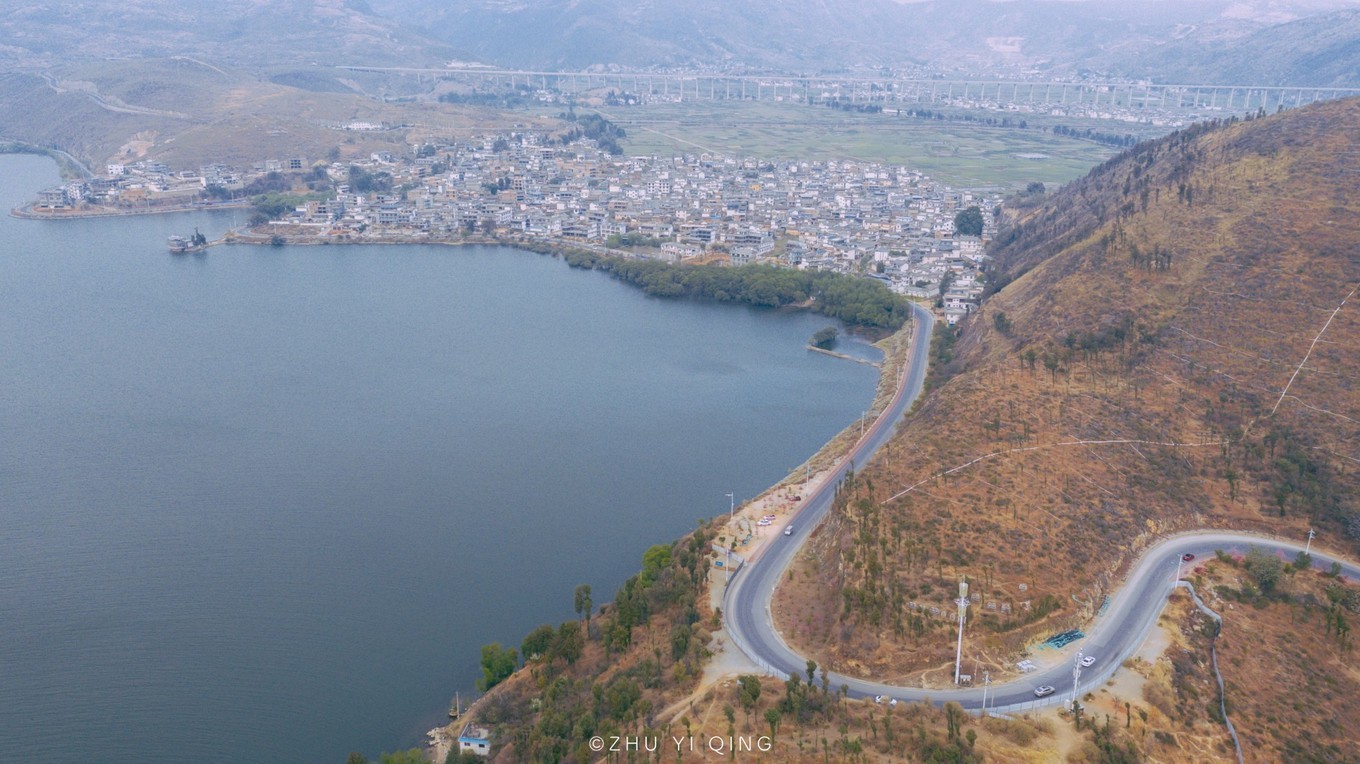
(1112, 637)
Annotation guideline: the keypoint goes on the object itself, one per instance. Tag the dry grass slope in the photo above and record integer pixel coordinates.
(1178, 351)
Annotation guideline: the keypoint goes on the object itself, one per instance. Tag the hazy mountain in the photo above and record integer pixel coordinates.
(1319, 51)
(256, 33)
(1146, 38)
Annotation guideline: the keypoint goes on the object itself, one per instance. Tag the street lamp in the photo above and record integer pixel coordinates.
(962, 602)
(732, 506)
(1309, 545)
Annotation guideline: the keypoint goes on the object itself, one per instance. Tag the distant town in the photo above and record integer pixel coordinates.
(885, 222)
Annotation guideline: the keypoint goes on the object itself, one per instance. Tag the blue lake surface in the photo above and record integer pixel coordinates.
(265, 504)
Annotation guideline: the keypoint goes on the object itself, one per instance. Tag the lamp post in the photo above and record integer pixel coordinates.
(986, 681)
(1307, 547)
(962, 602)
(732, 506)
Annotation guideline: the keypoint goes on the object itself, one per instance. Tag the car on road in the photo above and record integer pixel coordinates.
(1088, 661)
(878, 698)
(893, 702)
(1043, 691)
(788, 530)
(1187, 557)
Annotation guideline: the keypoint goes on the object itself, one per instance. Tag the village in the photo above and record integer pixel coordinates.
(885, 222)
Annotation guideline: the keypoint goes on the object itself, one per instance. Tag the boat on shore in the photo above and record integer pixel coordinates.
(180, 245)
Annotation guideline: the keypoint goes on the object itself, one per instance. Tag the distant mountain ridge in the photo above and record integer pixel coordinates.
(1319, 51)
(258, 34)
(1197, 41)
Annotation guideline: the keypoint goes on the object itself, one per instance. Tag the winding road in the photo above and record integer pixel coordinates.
(1111, 638)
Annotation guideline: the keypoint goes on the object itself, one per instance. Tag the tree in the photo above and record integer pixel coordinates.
(772, 717)
(569, 644)
(1266, 568)
(654, 560)
(748, 693)
(824, 338)
(954, 716)
(356, 758)
(538, 643)
(969, 222)
(413, 756)
(498, 663)
(583, 603)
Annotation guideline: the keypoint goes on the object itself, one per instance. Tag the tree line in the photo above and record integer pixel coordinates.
(854, 300)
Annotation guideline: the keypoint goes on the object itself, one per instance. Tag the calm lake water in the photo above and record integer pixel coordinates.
(265, 504)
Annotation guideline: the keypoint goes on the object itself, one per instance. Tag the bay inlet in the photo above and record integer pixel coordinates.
(266, 503)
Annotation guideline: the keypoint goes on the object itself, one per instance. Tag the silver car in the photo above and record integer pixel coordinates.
(1043, 691)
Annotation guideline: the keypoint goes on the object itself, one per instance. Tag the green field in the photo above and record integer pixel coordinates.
(957, 154)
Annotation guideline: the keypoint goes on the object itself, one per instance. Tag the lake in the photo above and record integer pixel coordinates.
(266, 504)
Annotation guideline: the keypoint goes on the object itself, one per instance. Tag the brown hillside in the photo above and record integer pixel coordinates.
(1177, 349)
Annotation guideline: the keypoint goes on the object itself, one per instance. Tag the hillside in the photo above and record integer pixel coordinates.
(188, 113)
(260, 34)
(1175, 349)
(1318, 51)
(807, 36)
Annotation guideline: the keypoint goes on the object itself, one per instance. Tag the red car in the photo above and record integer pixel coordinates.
(1187, 557)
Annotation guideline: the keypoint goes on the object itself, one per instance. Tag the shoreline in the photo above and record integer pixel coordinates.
(834, 354)
(30, 212)
(784, 499)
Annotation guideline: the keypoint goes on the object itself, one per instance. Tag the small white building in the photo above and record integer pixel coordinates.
(475, 738)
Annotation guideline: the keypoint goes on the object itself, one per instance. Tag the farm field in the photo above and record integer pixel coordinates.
(965, 155)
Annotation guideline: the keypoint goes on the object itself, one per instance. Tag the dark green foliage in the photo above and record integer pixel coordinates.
(362, 181)
(538, 642)
(504, 100)
(941, 354)
(654, 560)
(412, 756)
(595, 699)
(463, 757)
(498, 663)
(615, 241)
(1109, 139)
(853, 300)
(1002, 323)
(969, 222)
(568, 643)
(271, 182)
(1266, 569)
(581, 601)
(272, 206)
(356, 758)
(606, 134)
(824, 338)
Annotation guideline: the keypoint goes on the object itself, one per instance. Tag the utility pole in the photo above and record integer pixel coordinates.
(1076, 679)
(732, 506)
(1307, 547)
(986, 681)
(962, 602)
